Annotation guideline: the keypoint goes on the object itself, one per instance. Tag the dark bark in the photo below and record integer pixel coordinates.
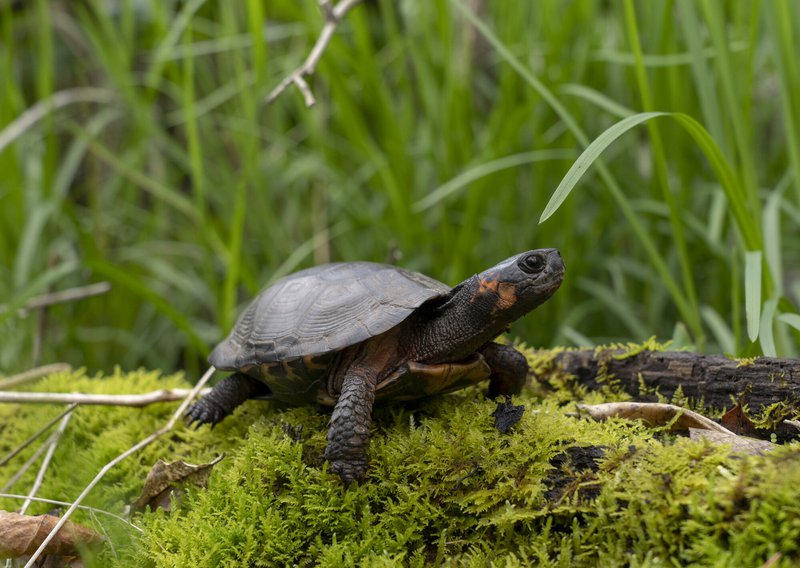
(715, 379)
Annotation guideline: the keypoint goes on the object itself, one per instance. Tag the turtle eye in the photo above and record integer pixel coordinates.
(532, 263)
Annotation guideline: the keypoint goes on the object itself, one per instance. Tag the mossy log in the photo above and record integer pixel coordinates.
(444, 487)
(716, 380)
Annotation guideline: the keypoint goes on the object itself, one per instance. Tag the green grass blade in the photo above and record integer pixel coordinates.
(766, 339)
(772, 239)
(670, 197)
(792, 320)
(588, 157)
(734, 102)
(149, 184)
(121, 277)
(780, 19)
(752, 292)
(745, 222)
(719, 329)
(168, 43)
(708, 96)
(488, 168)
(597, 98)
(689, 315)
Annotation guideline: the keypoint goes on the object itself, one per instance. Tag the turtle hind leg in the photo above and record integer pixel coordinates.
(348, 433)
(509, 369)
(223, 399)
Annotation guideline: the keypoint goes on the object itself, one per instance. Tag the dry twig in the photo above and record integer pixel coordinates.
(106, 468)
(61, 297)
(333, 15)
(92, 510)
(27, 465)
(135, 400)
(33, 438)
(52, 443)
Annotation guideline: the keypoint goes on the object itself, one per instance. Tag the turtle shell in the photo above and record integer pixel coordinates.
(322, 310)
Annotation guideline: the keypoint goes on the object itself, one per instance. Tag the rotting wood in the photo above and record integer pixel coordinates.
(715, 379)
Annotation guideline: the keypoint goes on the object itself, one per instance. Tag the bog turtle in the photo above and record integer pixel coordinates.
(351, 334)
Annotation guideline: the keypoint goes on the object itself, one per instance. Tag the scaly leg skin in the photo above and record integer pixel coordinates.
(223, 399)
(348, 433)
(509, 369)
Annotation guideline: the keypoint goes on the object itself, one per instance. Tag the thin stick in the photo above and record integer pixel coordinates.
(33, 438)
(61, 297)
(106, 468)
(33, 374)
(53, 443)
(27, 465)
(66, 504)
(134, 400)
(333, 15)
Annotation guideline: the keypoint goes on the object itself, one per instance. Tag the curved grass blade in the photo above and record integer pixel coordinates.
(719, 329)
(597, 98)
(589, 155)
(747, 225)
(487, 168)
(767, 340)
(792, 320)
(688, 312)
(752, 292)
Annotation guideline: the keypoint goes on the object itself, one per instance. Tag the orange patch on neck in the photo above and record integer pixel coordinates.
(505, 292)
(508, 295)
(486, 286)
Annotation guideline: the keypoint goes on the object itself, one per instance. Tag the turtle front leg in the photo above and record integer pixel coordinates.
(348, 433)
(223, 399)
(509, 369)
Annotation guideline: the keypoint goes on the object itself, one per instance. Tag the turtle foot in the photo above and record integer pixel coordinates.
(223, 399)
(204, 411)
(349, 470)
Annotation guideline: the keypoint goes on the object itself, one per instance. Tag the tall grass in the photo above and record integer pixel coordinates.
(664, 135)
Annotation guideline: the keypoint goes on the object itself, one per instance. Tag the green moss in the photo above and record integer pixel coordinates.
(444, 487)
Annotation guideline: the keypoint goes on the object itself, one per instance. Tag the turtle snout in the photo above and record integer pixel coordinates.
(554, 262)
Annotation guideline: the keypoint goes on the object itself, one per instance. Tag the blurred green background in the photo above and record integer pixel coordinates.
(136, 149)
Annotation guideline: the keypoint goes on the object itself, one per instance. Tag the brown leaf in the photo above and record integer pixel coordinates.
(739, 444)
(167, 479)
(738, 422)
(22, 534)
(653, 414)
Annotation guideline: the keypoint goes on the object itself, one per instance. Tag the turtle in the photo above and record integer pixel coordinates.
(351, 334)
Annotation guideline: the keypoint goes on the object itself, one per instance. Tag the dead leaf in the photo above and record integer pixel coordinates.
(653, 414)
(738, 422)
(168, 479)
(739, 444)
(22, 534)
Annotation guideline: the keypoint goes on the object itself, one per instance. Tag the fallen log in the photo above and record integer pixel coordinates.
(716, 380)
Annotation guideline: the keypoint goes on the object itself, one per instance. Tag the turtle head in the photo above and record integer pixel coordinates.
(519, 284)
(482, 306)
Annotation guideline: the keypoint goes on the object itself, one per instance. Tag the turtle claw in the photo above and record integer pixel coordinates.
(203, 412)
(349, 471)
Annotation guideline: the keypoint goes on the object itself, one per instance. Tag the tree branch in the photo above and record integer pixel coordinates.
(332, 15)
